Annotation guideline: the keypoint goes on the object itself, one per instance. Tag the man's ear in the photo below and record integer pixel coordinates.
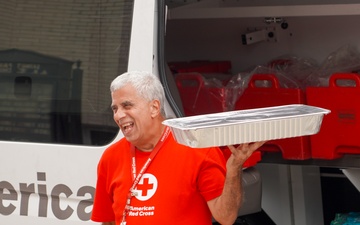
(155, 108)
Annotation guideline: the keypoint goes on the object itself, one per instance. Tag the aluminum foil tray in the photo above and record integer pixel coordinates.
(245, 126)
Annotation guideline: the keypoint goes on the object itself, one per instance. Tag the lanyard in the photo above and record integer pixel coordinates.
(136, 178)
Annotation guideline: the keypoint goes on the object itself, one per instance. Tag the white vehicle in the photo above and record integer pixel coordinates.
(57, 59)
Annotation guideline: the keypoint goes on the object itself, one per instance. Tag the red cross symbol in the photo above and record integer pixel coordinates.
(145, 186)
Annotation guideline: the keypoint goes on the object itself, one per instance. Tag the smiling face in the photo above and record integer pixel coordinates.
(135, 116)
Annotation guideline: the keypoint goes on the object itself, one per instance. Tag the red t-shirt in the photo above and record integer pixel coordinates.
(173, 190)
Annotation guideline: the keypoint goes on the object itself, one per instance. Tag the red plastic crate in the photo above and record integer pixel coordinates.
(297, 148)
(339, 133)
(198, 98)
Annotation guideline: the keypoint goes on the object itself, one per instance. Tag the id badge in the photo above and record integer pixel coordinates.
(123, 223)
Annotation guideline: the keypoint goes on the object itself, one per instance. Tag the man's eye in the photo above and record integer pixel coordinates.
(127, 105)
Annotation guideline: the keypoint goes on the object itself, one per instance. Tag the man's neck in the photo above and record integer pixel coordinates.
(151, 143)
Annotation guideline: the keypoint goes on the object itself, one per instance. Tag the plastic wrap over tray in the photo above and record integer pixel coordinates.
(245, 126)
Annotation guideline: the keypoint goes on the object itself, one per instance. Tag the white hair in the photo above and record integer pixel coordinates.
(147, 84)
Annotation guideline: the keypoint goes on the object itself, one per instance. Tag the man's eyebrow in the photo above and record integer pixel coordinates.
(127, 103)
(124, 103)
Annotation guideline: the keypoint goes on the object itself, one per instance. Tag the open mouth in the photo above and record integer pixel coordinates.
(127, 127)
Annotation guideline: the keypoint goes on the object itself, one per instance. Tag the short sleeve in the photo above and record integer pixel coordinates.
(102, 208)
(212, 174)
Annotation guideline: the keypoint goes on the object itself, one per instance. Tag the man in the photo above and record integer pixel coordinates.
(148, 178)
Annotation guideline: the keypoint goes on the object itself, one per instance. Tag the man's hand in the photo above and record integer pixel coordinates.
(241, 153)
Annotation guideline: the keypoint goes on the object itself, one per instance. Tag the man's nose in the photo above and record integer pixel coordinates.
(119, 114)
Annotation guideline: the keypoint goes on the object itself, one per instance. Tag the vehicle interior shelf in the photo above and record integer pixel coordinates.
(207, 10)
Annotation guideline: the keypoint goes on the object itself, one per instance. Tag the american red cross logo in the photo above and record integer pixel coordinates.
(145, 186)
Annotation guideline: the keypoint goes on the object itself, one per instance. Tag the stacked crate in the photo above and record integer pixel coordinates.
(340, 130)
